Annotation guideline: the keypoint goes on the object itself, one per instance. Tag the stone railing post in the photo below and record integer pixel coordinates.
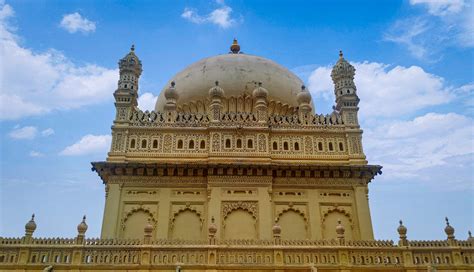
(340, 230)
(212, 232)
(276, 229)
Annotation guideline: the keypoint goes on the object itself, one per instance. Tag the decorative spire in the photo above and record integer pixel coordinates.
(235, 47)
(30, 227)
(82, 227)
(469, 236)
(341, 55)
(132, 48)
(402, 233)
(449, 230)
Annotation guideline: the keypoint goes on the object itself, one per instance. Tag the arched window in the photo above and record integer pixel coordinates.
(191, 144)
(320, 146)
(341, 147)
(155, 143)
(132, 143)
(203, 144)
(285, 145)
(275, 145)
(297, 146)
(239, 143)
(249, 143)
(331, 148)
(180, 144)
(143, 143)
(227, 143)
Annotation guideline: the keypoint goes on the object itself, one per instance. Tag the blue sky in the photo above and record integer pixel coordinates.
(415, 78)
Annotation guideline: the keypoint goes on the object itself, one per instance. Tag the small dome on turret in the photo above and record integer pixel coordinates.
(131, 63)
(31, 225)
(260, 91)
(402, 230)
(342, 69)
(82, 227)
(303, 97)
(171, 93)
(216, 91)
(449, 230)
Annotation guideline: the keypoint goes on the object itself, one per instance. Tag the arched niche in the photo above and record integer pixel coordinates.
(293, 225)
(240, 224)
(331, 221)
(135, 222)
(186, 225)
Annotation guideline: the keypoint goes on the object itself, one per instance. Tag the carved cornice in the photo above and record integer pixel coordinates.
(277, 171)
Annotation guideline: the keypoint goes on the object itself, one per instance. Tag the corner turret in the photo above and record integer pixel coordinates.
(126, 94)
(345, 90)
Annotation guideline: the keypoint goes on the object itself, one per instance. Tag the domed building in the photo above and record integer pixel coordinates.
(234, 170)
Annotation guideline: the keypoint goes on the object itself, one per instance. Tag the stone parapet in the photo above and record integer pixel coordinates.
(118, 254)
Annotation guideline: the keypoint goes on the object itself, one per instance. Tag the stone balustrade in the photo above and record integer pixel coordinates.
(20, 253)
(140, 118)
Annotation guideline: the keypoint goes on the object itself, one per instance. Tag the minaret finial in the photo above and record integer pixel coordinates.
(341, 55)
(132, 48)
(235, 47)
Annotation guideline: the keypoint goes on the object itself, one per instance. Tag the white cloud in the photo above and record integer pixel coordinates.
(448, 23)
(74, 22)
(36, 154)
(47, 132)
(147, 101)
(441, 7)
(220, 16)
(89, 144)
(386, 91)
(23, 133)
(427, 141)
(410, 34)
(37, 83)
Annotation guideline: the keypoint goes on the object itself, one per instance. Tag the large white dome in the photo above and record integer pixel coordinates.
(237, 74)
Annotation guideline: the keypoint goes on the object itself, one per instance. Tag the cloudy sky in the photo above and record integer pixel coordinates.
(414, 61)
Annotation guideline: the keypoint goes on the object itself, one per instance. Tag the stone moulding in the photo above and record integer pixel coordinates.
(106, 170)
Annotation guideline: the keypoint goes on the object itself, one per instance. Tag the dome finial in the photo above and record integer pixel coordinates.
(132, 48)
(235, 47)
(341, 55)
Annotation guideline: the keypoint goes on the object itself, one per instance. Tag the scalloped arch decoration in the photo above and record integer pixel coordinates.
(181, 210)
(339, 210)
(296, 210)
(250, 207)
(138, 209)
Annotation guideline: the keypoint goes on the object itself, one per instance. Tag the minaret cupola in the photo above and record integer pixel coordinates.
(347, 101)
(130, 70)
(343, 77)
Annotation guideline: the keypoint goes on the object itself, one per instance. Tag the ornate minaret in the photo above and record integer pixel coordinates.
(345, 90)
(127, 91)
(125, 101)
(347, 103)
